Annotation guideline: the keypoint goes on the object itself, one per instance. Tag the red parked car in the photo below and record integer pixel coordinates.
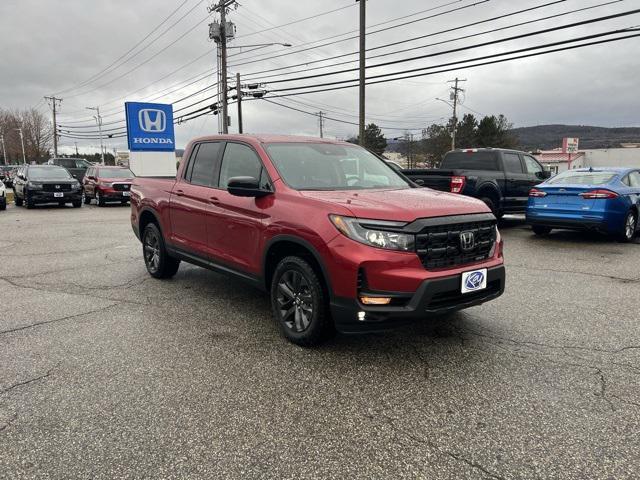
(107, 184)
(337, 237)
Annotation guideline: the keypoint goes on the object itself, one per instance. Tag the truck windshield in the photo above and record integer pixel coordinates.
(321, 166)
(470, 161)
(582, 178)
(48, 173)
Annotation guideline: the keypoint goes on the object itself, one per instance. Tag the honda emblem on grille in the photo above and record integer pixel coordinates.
(58, 186)
(467, 241)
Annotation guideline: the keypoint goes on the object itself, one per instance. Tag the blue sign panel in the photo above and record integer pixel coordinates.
(150, 127)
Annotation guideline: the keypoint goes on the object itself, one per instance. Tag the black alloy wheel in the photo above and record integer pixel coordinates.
(158, 262)
(299, 303)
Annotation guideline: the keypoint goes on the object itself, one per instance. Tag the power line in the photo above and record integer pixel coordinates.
(108, 67)
(465, 37)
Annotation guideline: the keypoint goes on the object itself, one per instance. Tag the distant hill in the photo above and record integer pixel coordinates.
(547, 137)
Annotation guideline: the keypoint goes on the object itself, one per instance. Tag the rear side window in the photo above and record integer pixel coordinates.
(512, 163)
(239, 161)
(634, 179)
(204, 167)
(470, 161)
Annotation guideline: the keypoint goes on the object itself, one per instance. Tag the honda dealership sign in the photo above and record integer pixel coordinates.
(151, 139)
(150, 127)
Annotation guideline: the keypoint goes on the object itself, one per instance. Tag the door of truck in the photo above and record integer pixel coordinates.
(236, 224)
(190, 201)
(518, 182)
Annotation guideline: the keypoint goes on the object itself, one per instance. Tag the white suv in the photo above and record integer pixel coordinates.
(3, 197)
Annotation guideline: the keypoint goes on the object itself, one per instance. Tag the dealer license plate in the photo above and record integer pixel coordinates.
(474, 281)
(126, 194)
(58, 194)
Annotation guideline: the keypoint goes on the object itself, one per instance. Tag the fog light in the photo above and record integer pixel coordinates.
(361, 316)
(375, 300)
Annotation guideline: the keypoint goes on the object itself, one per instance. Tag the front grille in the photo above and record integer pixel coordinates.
(121, 187)
(57, 187)
(440, 246)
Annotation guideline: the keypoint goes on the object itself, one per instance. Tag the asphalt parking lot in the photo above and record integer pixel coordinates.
(108, 373)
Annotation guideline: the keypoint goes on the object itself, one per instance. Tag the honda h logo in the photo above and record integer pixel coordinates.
(152, 120)
(467, 241)
(57, 186)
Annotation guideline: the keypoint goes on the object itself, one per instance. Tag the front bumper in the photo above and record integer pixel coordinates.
(435, 296)
(49, 197)
(111, 194)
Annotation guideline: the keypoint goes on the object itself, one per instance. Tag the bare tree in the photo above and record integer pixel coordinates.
(36, 129)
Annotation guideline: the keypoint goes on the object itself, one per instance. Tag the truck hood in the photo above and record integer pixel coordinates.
(403, 205)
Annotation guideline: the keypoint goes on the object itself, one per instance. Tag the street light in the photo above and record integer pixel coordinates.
(99, 122)
(24, 157)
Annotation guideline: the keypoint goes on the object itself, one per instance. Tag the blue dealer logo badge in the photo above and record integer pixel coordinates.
(474, 281)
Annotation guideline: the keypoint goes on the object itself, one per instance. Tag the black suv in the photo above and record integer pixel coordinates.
(35, 184)
(77, 166)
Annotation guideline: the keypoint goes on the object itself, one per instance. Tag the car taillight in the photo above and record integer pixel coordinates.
(534, 192)
(457, 184)
(598, 194)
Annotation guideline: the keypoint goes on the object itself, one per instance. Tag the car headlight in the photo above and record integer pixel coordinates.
(105, 184)
(374, 233)
(34, 186)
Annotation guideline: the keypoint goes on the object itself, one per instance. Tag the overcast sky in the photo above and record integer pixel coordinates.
(56, 46)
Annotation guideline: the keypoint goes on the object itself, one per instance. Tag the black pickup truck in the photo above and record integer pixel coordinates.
(500, 178)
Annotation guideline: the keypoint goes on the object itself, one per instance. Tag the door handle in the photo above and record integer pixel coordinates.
(179, 193)
(214, 200)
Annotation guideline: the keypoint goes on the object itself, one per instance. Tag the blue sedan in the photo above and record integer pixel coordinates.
(602, 199)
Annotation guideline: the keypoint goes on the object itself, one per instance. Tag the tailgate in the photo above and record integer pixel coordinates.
(436, 179)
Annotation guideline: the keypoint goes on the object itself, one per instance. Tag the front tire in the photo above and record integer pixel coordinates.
(158, 262)
(99, 199)
(29, 201)
(77, 203)
(17, 200)
(86, 199)
(541, 230)
(629, 227)
(299, 303)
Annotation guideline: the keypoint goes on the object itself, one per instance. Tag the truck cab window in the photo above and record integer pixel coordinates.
(205, 164)
(512, 163)
(239, 161)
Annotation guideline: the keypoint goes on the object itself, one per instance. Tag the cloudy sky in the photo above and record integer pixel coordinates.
(103, 53)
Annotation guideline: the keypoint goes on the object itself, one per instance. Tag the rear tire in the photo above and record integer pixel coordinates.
(493, 206)
(629, 227)
(541, 230)
(299, 303)
(158, 262)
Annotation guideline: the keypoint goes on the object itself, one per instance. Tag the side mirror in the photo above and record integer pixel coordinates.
(544, 174)
(246, 187)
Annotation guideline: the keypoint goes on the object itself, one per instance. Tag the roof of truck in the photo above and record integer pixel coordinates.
(270, 138)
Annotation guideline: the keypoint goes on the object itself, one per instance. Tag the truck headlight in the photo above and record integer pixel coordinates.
(374, 233)
(105, 184)
(34, 186)
(75, 185)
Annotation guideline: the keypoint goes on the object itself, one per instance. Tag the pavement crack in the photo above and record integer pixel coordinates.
(9, 422)
(575, 272)
(27, 382)
(55, 320)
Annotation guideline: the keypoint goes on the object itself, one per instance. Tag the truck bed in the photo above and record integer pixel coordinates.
(433, 178)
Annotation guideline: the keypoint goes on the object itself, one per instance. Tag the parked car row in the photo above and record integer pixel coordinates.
(53, 183)
(509, 181)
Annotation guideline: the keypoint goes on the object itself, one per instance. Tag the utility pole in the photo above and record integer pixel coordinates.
(363, 26)
(99, 122)
(321, 119)
(76, 144)
(454, 97)
(4, 150)
(24, 156)
(221, 38)
(54, 102)
(239, 93)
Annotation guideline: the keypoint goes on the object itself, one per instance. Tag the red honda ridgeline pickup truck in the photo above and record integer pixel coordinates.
(338, 238)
